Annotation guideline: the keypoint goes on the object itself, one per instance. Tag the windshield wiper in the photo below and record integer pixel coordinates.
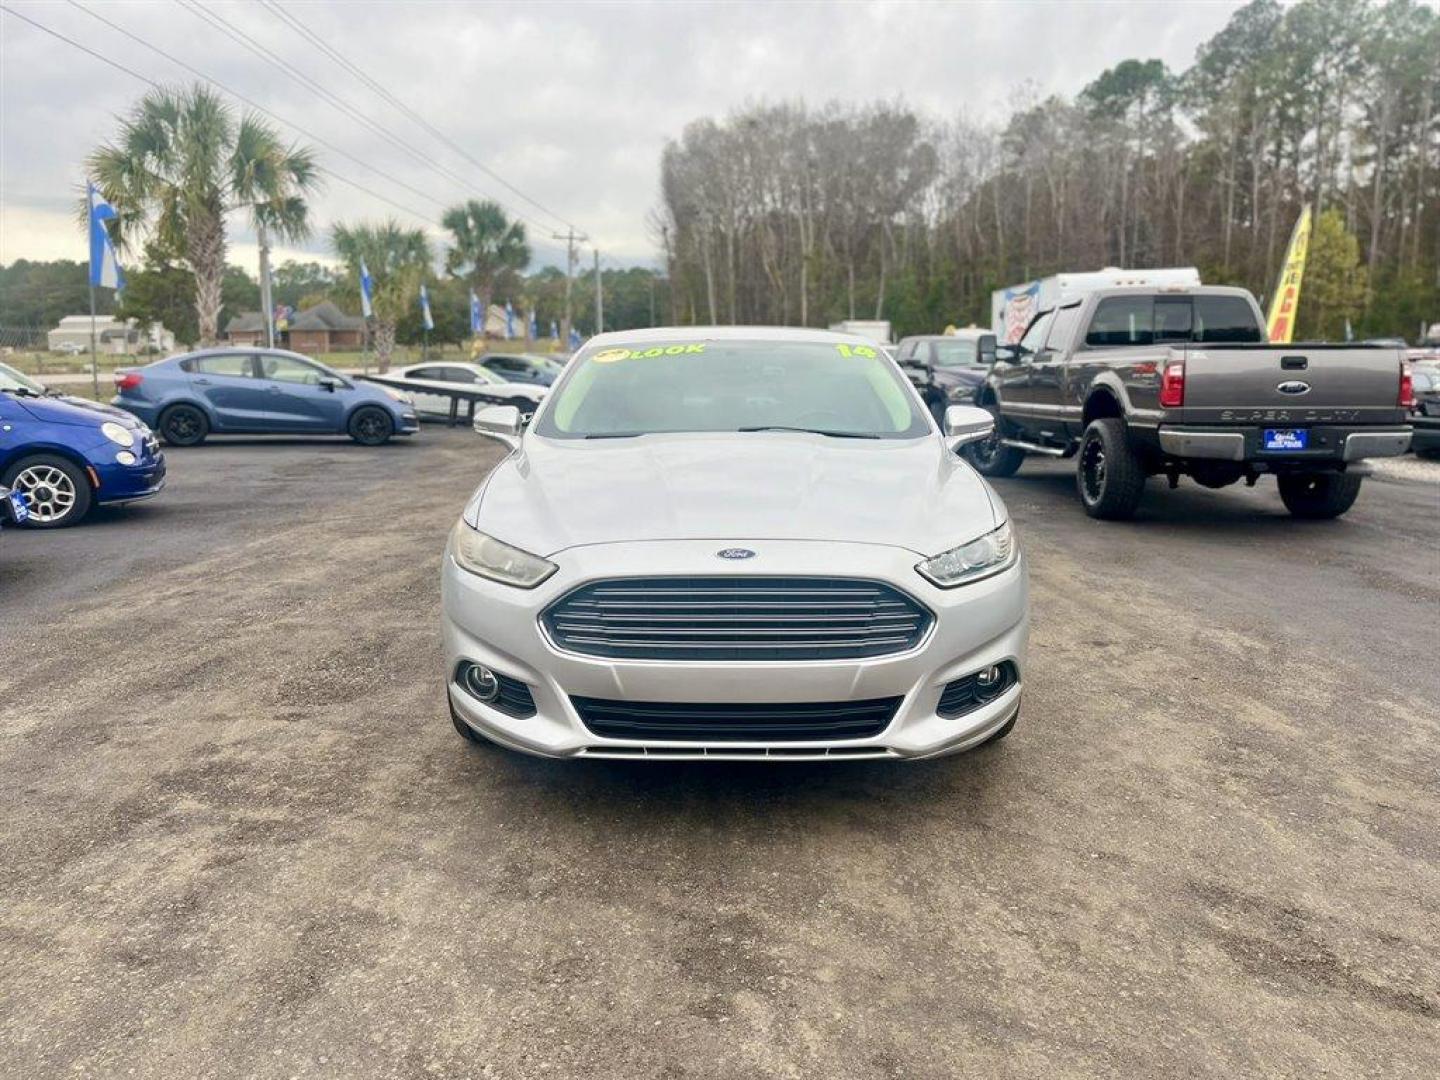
(616, 434)
(813, 431)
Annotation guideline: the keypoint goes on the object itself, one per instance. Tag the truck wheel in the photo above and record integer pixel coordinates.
(1108, 473)
(991, 457)
(1318, 495)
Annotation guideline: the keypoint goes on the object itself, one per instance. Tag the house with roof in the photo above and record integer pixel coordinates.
(321, 329)
(112, 336)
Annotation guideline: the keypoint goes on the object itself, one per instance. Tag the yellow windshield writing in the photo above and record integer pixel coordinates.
(610, 356)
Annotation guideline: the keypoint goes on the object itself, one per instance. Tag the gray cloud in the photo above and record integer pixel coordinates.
(570, 102)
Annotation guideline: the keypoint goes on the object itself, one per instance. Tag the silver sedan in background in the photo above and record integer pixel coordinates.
(734, 543)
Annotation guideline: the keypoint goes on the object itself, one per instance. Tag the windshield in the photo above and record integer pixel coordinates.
(955, 352)
(834, 389)
(10, 379)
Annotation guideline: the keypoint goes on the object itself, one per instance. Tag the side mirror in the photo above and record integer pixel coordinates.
(1007, 354)
(502, 423)
(965, 424)
(987, 349)
(329, 382)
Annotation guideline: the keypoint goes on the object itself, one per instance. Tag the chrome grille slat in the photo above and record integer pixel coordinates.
(808, 721)
(736, 618)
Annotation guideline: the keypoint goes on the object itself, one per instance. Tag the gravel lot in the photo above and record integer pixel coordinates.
(241, 839)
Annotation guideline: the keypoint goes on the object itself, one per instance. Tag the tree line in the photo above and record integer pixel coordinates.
(795, 214)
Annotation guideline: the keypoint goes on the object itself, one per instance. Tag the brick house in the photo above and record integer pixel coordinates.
(321, 329)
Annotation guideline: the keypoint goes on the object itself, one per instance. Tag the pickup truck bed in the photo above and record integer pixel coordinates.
(1111, 380)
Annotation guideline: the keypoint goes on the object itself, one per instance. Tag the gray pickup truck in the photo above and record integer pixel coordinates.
(1140, 382)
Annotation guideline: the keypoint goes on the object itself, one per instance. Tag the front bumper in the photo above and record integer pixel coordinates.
(129, 483)
(1328, 444)
(975, 626)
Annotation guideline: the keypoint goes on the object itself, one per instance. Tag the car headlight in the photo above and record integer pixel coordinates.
(490, 558)
(117, 433)
(991, 553)
(398, 395)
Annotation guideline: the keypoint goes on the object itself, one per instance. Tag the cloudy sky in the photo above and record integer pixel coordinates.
(570, 103)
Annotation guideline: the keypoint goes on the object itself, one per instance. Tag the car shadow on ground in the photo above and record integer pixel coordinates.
(1188, 508)
(786, 793)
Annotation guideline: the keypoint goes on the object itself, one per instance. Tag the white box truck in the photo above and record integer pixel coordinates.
(1012, 309)
(877, 330)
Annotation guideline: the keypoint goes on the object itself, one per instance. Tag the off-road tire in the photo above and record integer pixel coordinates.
(990, 457)
(1318, 496)
(1108, 474)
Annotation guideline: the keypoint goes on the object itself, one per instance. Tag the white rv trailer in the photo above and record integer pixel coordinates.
(1012, 309)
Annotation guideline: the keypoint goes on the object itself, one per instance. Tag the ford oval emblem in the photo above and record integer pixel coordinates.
(735, 553)
(1294, 386)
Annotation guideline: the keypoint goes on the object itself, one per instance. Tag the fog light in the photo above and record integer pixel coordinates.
(125, 457)
(481, 683)
(989, 681)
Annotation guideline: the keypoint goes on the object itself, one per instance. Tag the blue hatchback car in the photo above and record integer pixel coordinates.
(63, 459)
(255, 391)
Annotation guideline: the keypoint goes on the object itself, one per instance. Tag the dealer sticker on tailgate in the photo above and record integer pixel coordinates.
(1286, 439)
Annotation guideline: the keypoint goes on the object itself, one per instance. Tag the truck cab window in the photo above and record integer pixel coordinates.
(1035, 335)
(1172, 318)
(1123, 320)
(1062, 330)
(1225, 319)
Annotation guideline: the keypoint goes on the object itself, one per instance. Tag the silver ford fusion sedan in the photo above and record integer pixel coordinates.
(737, 544)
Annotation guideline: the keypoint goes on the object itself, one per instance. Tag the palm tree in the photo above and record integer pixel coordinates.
(487, 243)
(180, 164)
(398, 260)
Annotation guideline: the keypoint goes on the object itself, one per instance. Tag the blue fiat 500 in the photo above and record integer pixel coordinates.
(259, 392)
(63, 459)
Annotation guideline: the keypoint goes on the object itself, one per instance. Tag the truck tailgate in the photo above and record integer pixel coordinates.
(1303, 379)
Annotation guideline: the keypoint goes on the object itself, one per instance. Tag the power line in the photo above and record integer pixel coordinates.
(239, 36)
(157, 85)
(417, 117)
(428, 219)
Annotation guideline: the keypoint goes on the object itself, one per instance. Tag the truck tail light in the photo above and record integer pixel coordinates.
(1407, 388)
(1172, 385)
(127, 380)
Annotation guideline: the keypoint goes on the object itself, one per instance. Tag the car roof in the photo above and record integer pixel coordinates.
(238, 350)
(681, 334)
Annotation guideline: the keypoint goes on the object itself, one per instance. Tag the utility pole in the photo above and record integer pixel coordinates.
(599, 297)
(266, 305)
(571, 238)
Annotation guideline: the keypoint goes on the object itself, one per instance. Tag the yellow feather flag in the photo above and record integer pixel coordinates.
(1281, 324)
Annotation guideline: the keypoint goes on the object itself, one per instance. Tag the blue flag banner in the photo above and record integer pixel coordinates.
(554, 330)
(367, 291)
(425, 308)
(534, 325)
(104, 266)
(509, 320)
(477, 320)
(574, 338)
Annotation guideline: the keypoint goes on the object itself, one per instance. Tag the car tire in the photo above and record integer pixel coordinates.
(55, 488)
(991, 457)
(183, 425)
(1318, 496)
(370, 425)
(1108, 473)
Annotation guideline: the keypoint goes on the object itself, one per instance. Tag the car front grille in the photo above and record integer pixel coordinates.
(737, 618)
(810, 721)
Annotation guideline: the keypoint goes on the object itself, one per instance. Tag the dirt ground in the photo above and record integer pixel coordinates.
(240, 837)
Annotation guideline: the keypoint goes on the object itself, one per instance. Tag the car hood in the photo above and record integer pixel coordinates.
(58, 411)
(555, 494)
